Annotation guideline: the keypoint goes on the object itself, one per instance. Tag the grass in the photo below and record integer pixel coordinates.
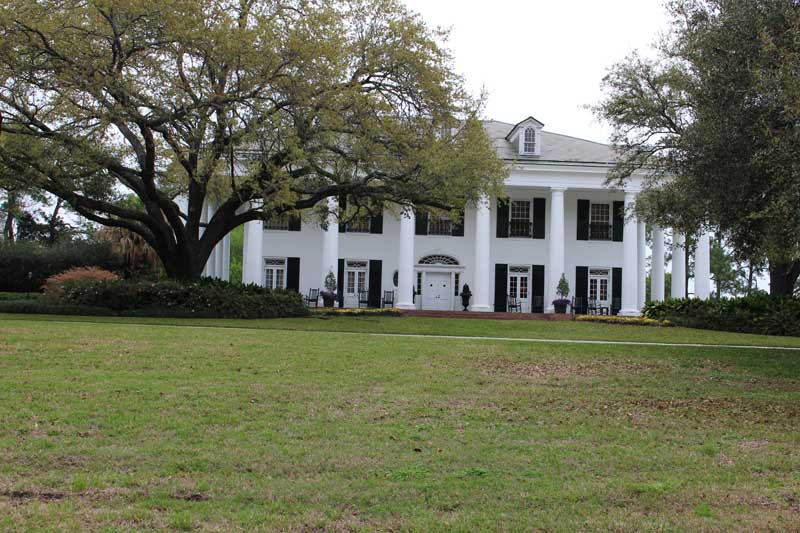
(115, 424)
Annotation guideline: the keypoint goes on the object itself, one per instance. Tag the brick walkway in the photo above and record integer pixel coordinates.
(489, 316)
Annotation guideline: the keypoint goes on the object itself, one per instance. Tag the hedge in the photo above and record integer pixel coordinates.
(168, 298)
(759, 314)
(24, 266)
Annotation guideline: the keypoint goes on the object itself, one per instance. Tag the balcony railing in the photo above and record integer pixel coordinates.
(601, 232)
(520, 228)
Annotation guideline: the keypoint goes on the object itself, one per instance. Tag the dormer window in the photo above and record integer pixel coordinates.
(529, 141)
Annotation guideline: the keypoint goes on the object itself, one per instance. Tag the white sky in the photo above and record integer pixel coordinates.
(543, 58)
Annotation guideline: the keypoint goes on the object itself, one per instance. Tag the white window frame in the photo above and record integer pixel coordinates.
(609, 222)
(275, 270)
(435, 224)
(525, 142)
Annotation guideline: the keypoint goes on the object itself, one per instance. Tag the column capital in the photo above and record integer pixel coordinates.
(558, 189)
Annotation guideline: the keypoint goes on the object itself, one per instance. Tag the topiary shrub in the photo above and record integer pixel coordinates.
(54, 285)
(759, 314)
(207, 298)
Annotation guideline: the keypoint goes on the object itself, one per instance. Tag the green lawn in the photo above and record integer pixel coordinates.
(123, 425)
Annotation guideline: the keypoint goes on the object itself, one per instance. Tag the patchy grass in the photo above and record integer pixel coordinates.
(119, 426)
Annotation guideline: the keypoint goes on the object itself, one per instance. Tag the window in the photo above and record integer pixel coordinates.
(419, 282)
(529, 142)
(356, 277)
(358, 225)
(520, 220)
(457, 282)
(278, 223)
(440, 226)
(600, 228)
(518, 282)
(275, 272)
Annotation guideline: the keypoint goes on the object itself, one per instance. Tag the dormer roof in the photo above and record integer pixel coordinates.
(530, 121)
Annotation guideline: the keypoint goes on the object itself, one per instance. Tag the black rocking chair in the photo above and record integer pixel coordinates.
(363, 299)
(312, 300)
(514, 305)
(388, 299)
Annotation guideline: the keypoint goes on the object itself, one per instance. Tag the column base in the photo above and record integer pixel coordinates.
(481, 309)
(629, 312)
(549, 310)
(408, 306)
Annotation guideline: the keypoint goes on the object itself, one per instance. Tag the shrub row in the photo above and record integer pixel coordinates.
(624, 320)
(206, 298)
(754, 314)
(24, 266)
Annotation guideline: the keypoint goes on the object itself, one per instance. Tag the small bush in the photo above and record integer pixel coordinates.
(25, 266)
(17, 296)
(54, 285)
(760, 314)
(207, 298)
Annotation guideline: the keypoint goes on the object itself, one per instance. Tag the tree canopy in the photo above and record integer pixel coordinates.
(713, 120)
(261, 107)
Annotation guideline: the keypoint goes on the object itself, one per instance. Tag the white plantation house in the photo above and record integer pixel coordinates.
(559, 218)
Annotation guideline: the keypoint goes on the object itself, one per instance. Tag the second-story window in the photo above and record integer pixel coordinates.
(600, 222)
(520, 219)
(359, 224)
(440, 226)
(529, 142)
(277, 223)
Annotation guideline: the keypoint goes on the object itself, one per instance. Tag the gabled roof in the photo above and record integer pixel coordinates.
(528, 121)
(555, 147)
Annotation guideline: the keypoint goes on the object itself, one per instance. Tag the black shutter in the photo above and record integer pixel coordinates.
(537, 289)
(502, 219)
(582, 282)
(539, 208)
(616, 290)
(421, 224)
(458, 225)
(293, 274)
(619, 221)
(500, 285)
(294, 223)
(342, 209)
(376, 224)
(375, 277)
(340, 283)
(583, 220)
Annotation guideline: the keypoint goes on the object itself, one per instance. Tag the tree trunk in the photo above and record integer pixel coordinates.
(782, 278)
(52, 223)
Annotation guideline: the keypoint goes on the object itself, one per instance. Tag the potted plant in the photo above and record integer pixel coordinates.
(329, 294)
(562, 290)
(466, 294)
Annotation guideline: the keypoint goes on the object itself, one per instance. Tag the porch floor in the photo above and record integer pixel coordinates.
(485, 316)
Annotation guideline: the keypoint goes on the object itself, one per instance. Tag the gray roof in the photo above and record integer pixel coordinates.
(555, 147)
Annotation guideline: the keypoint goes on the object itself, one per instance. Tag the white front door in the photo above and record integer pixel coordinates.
(437, 292)
(355, 281)
(598, 286)
(519, 286)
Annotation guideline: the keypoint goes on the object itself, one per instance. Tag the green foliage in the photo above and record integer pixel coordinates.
(713, 123)
(24, 266)
(330, 282)
(206, 298)
(758, 313)
(237, 254)
(311, 100)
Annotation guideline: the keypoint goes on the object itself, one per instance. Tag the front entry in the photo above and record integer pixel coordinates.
(598, 286)
(518, 284)
(437, 292)
(355, 282)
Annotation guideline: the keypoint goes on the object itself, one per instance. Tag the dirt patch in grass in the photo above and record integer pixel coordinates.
(564, 369)
(45, 496)
(15, 331)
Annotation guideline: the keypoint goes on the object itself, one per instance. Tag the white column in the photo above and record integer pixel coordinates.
(630, 260)
(226, 257)
(330, 243)
(211, 262)
(641, 242)
(702, 267)
(657, 270)
(678, 265)
(480, 288)
(253, 254)
(556, 251)
(405, 262)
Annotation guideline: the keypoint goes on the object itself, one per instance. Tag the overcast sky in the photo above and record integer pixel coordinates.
(544, 58)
